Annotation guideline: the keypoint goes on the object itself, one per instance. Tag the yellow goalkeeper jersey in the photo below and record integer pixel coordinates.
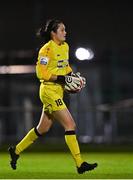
(53, 60)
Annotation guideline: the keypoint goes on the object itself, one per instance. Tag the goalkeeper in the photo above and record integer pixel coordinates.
(55, 74)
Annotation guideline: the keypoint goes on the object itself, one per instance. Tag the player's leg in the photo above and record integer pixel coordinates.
(66, 120)
(43, 126)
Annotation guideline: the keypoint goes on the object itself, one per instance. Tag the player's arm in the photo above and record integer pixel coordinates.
(71, 79)
(45, 75)
(42, 71)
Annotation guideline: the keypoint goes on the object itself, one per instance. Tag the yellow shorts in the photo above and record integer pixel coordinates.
(51, 96)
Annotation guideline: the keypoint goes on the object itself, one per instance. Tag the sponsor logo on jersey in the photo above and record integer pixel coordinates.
(43, 60)
(62, 63)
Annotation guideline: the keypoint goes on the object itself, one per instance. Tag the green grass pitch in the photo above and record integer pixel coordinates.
(61, 166)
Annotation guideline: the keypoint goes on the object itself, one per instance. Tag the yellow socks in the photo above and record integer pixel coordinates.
(70, 139)
(72, 143)
(27, 140)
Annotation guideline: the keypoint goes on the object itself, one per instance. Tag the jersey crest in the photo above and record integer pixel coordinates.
(44, 60)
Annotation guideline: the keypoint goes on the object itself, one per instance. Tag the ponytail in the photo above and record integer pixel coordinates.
(45, 31)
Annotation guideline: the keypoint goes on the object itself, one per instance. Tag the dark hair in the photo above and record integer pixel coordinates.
(45, 31)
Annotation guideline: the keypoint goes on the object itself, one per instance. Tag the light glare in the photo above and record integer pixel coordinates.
(17, 69)
(84, 54)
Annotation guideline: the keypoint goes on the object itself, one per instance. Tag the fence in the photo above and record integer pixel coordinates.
(100, 124)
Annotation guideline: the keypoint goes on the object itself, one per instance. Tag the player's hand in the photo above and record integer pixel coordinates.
(73, 82)
(79, 76)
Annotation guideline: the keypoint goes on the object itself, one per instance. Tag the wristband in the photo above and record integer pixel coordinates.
(60, 79)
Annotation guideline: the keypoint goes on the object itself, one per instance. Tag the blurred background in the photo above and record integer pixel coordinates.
(103, 111)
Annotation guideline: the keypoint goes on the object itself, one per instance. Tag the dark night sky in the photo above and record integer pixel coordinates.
(104, 26)
(97, 24)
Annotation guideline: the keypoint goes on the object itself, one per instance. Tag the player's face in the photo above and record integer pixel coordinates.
(60, 35)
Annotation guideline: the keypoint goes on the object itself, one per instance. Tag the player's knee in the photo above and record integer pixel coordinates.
(43, 130)
(46, 129)
(70, 126)
(74, 126)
